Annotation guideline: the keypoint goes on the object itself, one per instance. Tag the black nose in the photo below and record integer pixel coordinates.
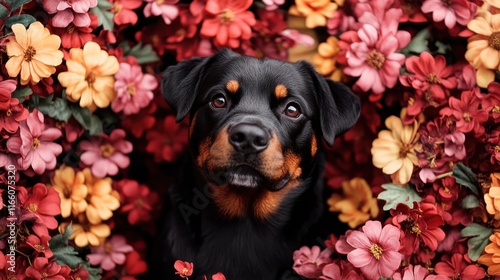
(248, 138)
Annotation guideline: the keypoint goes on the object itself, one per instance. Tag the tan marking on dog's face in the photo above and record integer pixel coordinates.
(232, 86)
(219, 152)
(314, 145)
(280, 91)
(192, 125)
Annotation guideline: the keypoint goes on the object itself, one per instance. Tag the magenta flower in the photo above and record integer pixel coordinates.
(164, 8)
(374, 250)
(105, 155)
(134, 89)
(374, 60)
(110, 253)
(35, 144)
(71, 11)
(450, 12)
(309, 262)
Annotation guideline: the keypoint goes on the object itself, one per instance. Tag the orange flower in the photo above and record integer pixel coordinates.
(395, 149)
(492, 197)
(71, 189)
(491, 256)
(357, 203)
(102, 199)
(326, 59)
(90, 76)
(85, 233)
(315, 11)
(33, 52)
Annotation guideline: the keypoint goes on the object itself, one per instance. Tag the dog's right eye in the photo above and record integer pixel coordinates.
(219, 101)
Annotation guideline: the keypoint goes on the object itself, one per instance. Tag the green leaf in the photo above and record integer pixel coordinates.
(22, 93)
(94, 272)
(479, 239)
(395, 194)
(64, 253)
(144, 54)
(90, 122)
(3, 12)
(103, 14)
(470, 201)
(465, 177)
(15, 4)
(24, 19)
(418, 44)
(57, 109)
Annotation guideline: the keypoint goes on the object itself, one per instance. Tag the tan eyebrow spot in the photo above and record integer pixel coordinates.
(280, 91)
(232, 86)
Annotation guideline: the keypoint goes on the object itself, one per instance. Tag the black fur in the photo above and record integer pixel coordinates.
(248, 247)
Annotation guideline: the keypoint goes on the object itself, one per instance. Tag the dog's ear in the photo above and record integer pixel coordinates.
(339, 107)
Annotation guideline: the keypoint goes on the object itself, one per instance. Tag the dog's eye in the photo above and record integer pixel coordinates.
(292, 110)
(219, 101)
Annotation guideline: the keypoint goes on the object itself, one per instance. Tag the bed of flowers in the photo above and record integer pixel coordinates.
(88, 146)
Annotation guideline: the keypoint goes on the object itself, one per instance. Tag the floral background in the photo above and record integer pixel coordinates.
(88, 146)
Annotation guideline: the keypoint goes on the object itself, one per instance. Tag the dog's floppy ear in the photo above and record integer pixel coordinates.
(339, 107)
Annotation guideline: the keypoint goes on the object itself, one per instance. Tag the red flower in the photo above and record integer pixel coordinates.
(184, 269)
(459, 268)
(228, 22)
(167, 141)
(137, 124)
(13, 114)
(6, 88)
(75, 37)
(493, 145)
(135, 265)
(41, 245)
(137, 200)
(218, 276)
(123, 10)
(79, 274)
(44, 204)
(42, 269)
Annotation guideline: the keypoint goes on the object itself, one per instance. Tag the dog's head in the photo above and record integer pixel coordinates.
(256, 124)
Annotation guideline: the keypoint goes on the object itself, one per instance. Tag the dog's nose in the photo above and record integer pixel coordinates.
(248, 138)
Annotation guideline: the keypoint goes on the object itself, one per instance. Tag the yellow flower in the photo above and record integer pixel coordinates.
(492, 197)
(483, 49)
(71, 189)
(494, 3)
(315, 11)
(491, 256)
(326, 59)
(102, 199)
(90, 76)
(357, 203)
(395, 149)
(85, 233)
(33, 52)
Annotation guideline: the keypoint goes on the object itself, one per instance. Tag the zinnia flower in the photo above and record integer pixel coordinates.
(374, 250)
(90, 76)
(102, 199)
(110, 253)
(395, 149)
(491, 255)
(228, 22)
(316, 12)
(33, 52)
(309, 262)
(134, 89)
(35, 144)
(43, 203)
(166, 8)
(450, 12)
(106, 154)
(72, 190)
(184, 269)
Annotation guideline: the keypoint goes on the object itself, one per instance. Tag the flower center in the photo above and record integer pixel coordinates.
(66, 193)
(131, 89)
(375, 59)
(44, 275)
(90, 78)
(226, 16)
(467, 117)
(494, 41)
(496, 109)
(108, 248)
(446, 3)
(377, 251)
(408, 7)
(107, 150)
(117, 7)
(433, 78)
(184, 271)
(415, 230)
(139, 202)
(405, 149)
(29, 54)
(39, 247)
(35, 144)
(71, 28)
(32, 207)
(497, 149)
(160, 2)
(8, 113)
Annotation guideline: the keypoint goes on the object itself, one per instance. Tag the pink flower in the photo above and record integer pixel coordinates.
(106, 154)
(460, 268)
(134, 89)
(273, 4)
(218, 276)
(110, 253)
(72, 11)
(11, 110)
(374, 250)
(166, 8)
(454, 145)
(309, 262)
(6, 88)
(340, 270)
(184, 269)
(385, 20)
(411, 272)
(374, 60)
(451, 12)
(35, 144)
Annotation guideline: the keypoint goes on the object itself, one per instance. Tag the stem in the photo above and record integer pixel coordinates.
(23, 254)
(447, 174)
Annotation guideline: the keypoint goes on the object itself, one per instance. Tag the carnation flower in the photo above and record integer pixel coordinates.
(316, 12)
(35, 144)
(309, 262)
(89, 78)
(72, 190)
(110, 253)
(168, 141)
(43, 203)
(374, 250)
(134, 89)
(451, 12)
(106, 154)
(166, 8)
(184, 269)
(102, 199)
(228, 22)
(33, 52)
(395, 149)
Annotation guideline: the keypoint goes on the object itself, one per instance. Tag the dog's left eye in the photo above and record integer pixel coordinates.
(292, 110)
(219, 101)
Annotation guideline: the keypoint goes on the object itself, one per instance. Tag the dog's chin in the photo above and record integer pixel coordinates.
(246, 177)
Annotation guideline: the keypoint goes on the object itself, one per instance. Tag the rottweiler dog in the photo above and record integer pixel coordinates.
(251, 189)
